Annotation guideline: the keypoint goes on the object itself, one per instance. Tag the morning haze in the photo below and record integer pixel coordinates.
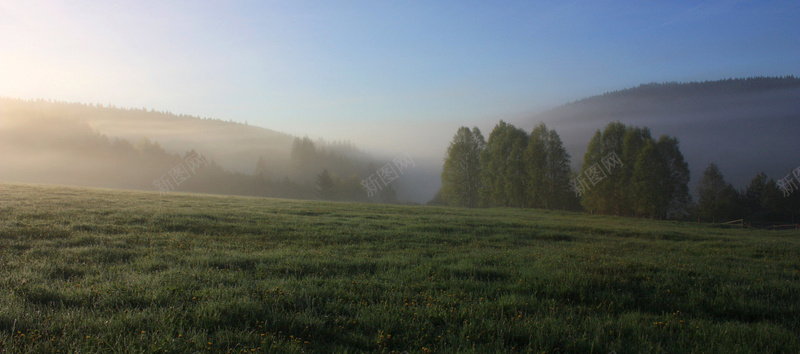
(399, 177)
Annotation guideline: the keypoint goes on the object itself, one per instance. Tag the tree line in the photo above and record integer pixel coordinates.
(512, 169)
(44, 142)
(625, 171)
(763, 202)
(333, 171)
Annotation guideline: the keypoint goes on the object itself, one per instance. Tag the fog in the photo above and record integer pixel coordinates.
(101, 146)
(744, 132)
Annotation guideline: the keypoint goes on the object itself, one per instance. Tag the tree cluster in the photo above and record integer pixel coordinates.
(625, 171)
(322, 164)
(512, 169)
(762, 202)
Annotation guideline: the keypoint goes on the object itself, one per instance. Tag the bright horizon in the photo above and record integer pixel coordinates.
(395, 75)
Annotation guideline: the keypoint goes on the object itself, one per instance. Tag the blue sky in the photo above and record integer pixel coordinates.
(364, 70)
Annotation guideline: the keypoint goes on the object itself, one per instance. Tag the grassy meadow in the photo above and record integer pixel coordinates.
(86, 270)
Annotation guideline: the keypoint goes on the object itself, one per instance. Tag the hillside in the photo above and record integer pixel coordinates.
(744, 125)
(99, 270)
(88, 145)
(234, 146)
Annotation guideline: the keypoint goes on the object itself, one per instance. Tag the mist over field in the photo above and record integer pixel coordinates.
(744, 128)
(399, 177)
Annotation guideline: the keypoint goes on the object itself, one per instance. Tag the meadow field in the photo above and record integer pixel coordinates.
(87, 270)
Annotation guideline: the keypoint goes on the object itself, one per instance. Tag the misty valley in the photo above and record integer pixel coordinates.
(640, 220)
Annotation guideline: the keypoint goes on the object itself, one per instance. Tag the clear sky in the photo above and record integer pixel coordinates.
(365, 69)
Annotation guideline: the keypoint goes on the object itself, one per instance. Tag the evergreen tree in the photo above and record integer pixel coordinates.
(762, 200)
(503, 166)
(594, 201)
(352, 190)
(387, 195)
(548, 171)
(650, 182)
(516, 174)
(717, 199)
(778, 207)
(633, 142)
(753, 195)
(536, 155)
(303, 152)
(678, 183)
(605, 187)
(261, 166)
(626, 172)
(492, 167)
(326, 185)
(461, 173)
(558, 174)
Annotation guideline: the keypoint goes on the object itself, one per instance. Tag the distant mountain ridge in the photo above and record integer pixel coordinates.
(744, 125)
(742, 85)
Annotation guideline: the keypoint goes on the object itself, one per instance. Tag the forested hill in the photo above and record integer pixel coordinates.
(83, 144)
(728, 86)
(236, 146)
(744, 125)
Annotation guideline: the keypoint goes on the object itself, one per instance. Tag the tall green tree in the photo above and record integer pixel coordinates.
(326, 186)
(303, 152)
(536, 155)
(548, 171)
(634, 141)
(762, 201)
(516, 171)
(677, 187)
(753, 195)
(604, 183)
(591, 201)
(717, 200)
(503, 166)
(461, 173)
(558, 163)
(650, 183)
(626, 172)
(261, 166)
(352, 190)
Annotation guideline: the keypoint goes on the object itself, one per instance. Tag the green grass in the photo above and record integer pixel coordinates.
(116, 271)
